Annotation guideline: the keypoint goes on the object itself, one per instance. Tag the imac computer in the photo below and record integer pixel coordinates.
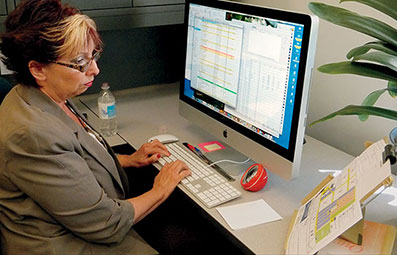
(247, 76)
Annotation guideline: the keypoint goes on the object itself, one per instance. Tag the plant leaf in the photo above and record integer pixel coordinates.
(382, 58)
(363, 69)
(388, 7)
(348, 19)
(360, 110)
(380, 46)
(373, 97)
(392, 85)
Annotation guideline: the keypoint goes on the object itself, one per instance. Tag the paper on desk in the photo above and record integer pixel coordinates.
(248, 214)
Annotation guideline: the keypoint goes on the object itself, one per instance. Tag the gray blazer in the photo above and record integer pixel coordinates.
(61, 192)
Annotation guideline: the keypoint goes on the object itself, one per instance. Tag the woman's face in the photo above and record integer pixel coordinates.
(63, 82)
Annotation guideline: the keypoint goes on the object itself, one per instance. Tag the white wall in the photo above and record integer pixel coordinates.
(332, 92)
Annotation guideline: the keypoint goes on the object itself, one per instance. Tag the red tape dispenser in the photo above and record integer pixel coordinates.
(254, 178)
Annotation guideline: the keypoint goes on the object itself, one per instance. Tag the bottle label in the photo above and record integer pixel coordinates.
(107, 111)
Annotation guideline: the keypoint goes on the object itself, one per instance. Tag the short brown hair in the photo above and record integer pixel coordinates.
(43, 30)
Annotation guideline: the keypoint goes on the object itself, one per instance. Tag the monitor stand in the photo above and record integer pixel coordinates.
(228, 153)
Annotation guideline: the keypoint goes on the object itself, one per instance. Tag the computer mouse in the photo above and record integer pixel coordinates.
(164, 138)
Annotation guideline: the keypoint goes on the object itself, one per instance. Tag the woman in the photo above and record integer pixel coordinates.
(62, 189)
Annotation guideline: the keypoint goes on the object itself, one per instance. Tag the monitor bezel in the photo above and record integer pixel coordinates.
(276, 14)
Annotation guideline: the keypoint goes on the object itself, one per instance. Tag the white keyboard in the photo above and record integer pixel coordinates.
(205, 183)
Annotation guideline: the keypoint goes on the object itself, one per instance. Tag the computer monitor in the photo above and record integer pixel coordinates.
(247, 76)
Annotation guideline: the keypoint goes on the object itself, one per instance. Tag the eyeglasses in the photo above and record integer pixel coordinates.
(83, 67)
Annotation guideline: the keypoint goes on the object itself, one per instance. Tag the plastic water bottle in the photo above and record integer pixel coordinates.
(107, 111)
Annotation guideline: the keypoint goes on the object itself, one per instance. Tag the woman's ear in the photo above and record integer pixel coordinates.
(37, 70)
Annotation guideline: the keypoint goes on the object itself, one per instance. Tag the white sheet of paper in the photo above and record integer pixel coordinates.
(248, 214)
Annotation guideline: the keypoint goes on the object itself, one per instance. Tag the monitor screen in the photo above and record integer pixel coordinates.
(248, 68)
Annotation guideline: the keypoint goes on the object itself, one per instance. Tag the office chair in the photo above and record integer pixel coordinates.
(5, 87)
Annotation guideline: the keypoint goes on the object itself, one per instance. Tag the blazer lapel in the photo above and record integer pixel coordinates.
(34, 96)
(102, 152)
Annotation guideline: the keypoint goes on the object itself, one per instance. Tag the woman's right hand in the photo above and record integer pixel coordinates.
(164, 183)
(170, 175)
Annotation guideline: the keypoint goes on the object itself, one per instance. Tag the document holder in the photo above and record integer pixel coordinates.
(354, 233)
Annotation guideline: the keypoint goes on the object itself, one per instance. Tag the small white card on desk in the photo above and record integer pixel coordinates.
(248, 214)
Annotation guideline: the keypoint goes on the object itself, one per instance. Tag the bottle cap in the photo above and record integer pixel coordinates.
(105, 85)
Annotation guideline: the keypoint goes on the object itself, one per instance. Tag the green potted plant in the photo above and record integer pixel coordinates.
(375, 59)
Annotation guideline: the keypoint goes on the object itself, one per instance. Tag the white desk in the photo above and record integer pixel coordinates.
(146, 111)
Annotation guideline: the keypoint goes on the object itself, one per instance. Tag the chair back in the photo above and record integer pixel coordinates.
(5, 87)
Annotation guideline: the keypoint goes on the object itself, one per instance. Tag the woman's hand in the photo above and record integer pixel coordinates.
(164, 183)
(146, 155)
(170, 175)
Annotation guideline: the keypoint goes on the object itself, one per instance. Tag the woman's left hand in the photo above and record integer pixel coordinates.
(146, 155)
